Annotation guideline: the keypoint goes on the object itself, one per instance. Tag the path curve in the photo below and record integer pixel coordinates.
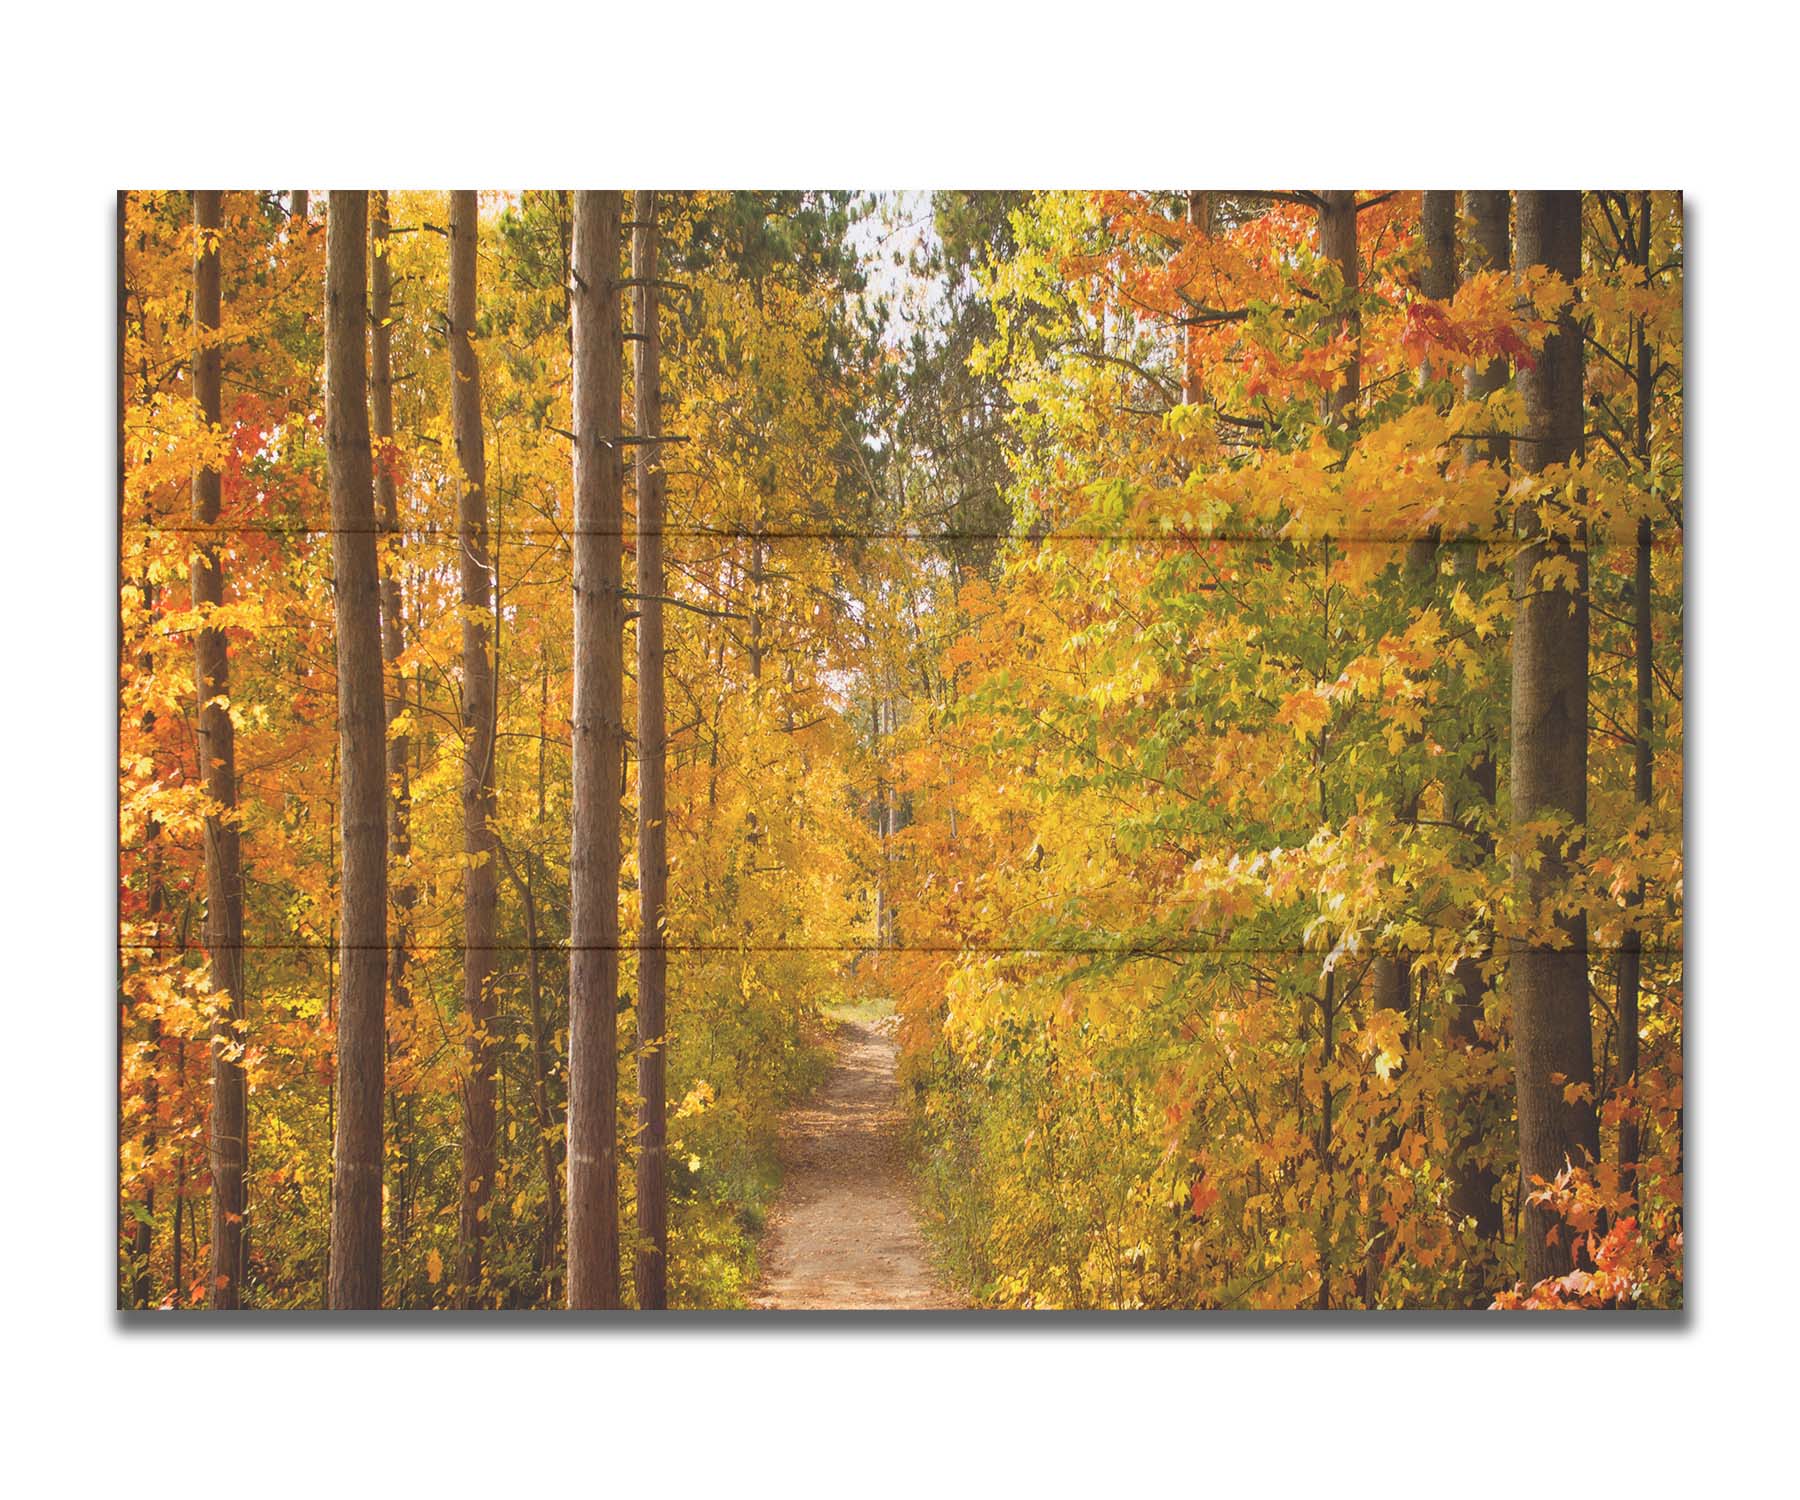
(843, 1233)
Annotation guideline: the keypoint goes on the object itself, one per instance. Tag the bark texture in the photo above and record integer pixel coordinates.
(599, 736)
(355, 1274)
(1553, 1040)
(480, 874)
(1437, 227)
(651, 1262)
(1337, 243)
(227, 1128)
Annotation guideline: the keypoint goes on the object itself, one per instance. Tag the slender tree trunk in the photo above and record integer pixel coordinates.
(1327, 1044)
(404, 894)
(175, 1266)
(297, 205)
(890, 825)
(599, 735)
(653, 848)
(143, 1230)
(355, 1273)
(876, 742)
(1473, 1181)
(1391, 973)
(479, 873)
(1472, 1194)
(1631, 952)
(1553, 1039)
(540, 1071)
(393, 624)
(1337, 242)
(1390, 985)
(757, 560)
(1200, 215)
(224, 933)
(1490, 249)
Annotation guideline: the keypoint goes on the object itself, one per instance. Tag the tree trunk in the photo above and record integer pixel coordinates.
(215, 743)
(1437, 227)
(1200, 215)
(1631, 951)
(393, 625)
(1472, 1193)
(177, 1288)
(1473, 1181)
(355, 1273)
(599, 734)
(1490, 249)
(652, 732)
(540, 1068)
(1391, 973)
(551, 1143)
(298, 202)
(143, 1230)
(1553, 1040)
(404, 894)
(1337, 242)
(478, 804)
(1327, 1043)
(880, 810)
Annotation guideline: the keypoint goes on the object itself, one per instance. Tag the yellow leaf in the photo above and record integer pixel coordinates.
(434, 1268)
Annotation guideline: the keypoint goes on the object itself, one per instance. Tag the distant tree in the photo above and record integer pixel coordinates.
(480, 871)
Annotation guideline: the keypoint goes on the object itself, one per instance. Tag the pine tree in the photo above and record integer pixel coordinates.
(599, 742)
(355, 1271)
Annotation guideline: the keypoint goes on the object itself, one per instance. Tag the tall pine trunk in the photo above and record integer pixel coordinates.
(1552, 1037)
(227, 1132)
(599, 735)
(480, 876)
(652, 732)
(355, 1272)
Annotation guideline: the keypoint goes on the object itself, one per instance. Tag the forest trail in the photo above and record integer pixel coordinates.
(843, 1234)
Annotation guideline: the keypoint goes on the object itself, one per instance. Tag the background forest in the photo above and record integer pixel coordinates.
(1210, 663)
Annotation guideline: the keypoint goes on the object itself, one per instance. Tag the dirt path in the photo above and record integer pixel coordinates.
(843, 1233)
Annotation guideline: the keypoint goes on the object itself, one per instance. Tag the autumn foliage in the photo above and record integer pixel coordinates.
(1209, 862)
(1113, 674)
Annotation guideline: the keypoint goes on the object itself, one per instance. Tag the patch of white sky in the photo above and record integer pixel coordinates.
(893, 240)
